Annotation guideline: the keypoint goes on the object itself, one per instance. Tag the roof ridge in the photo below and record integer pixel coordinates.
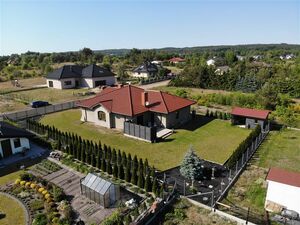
(130, 99)
(164, 101)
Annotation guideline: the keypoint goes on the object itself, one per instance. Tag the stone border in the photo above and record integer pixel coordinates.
(27, 211)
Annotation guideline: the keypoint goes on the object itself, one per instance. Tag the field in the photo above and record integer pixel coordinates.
(14, 213)
(214, 140)
(281, 149)
(25, 83)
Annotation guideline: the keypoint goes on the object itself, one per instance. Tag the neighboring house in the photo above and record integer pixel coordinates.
(176, 60)
(157, 62)
(283, 190)
(75, 76)
(222, 69)
(13, 140)
(257, 57)
(146, 70)
(211, 62)
(99, 190)
(288, 56)
(249, 117)
(114, 106)
(240, 57)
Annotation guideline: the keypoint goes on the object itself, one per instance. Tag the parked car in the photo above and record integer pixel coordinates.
(37, 104)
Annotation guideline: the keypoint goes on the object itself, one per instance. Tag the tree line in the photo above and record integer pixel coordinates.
(107, 159)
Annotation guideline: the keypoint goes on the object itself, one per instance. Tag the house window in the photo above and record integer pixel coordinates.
(177, 115)
(17, 142)
(50, 83)
(68, 82)
(102, 116)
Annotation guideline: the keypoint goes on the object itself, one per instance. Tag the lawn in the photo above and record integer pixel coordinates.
(14, 212)
(10, 178)
(280, 149)
(213, 141)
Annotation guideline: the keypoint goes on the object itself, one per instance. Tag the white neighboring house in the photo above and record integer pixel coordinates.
(222, 69)
(211, 62)
(75, 76)
(283, 190)
(146, 70)
(13, 140)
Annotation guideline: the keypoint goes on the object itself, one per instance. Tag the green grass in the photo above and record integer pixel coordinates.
(10, 178)
(214, 141)
(14, 213)
(281, 149)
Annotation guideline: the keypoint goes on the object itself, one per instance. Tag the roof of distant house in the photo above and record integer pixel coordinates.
(76, 71)
(9, 131)
(176, 59)
(146, 67)
(96, 71)
(252, 113)
(283, 176)
(127, 100)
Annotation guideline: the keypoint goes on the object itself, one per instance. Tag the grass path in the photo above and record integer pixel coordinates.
(214, 140)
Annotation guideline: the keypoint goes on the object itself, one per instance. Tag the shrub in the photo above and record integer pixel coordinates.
(36, 205)
(40, 219)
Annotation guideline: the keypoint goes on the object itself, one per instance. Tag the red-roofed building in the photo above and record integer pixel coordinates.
(249, 117)
(176, 60)
(283, 190)
(116, 105)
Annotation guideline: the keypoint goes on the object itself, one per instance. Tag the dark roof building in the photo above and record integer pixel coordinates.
(96, 71)
(10, 131)
(146, 67)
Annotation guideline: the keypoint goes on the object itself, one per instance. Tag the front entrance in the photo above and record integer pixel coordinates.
(6, 148)
(77, 83)
(140, 120)
(100, 83)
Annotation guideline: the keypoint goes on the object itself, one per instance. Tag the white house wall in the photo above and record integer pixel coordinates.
(60, 84)
(285, 195)
(90, 82)
(24, 144)
(92, 116)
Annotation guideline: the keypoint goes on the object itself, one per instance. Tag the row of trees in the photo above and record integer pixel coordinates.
(240, 150)
(101, 156)
(218, 114)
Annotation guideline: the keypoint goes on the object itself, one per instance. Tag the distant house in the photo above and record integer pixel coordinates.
(240, 57)
(288, 56)
(257, 57)
(99, 190)
(176, 60)
(146, 70)
(116, 105)
(157, 62)
(249, 117)
(75, 76)
(211, 62)
(13, 140)
(222, 69)
(283, 190)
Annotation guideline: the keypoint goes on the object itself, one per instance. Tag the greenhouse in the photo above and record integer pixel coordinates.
(99, 190)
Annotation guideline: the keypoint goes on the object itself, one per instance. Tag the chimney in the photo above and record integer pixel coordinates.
(120, 85)
(145, 99)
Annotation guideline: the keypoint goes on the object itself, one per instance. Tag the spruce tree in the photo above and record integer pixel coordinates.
(124, 158)
(121, 172)
(127, 172)
(115, 170)
(154, 185)
(119, 157)
(133, 176)
(147, 183)
(103, 165)
(141, 180)
(108, 168)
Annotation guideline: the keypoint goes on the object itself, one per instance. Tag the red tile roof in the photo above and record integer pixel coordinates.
(176, 59)
(284, 177)
(127, 100)
(252, 113)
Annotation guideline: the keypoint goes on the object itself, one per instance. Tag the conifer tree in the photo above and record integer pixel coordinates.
(127, 172)
(103, 165)
(154, 185)
(148, 183)
(108, 168)
(121, 172)
(141, 180)
(115, 170)
(133, 176)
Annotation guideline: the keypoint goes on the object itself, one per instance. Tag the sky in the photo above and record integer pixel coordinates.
(70, 25)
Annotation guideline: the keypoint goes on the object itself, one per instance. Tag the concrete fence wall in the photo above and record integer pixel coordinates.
(33, 112)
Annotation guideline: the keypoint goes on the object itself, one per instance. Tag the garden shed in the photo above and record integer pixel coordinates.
(100, 190)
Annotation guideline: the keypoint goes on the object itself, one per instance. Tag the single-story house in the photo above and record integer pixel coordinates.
(75, 76)
(222, 69)
(99, 190)
(116, 105)
(146, 70)
(211, 62)
(176, 60)
(249, 117)
(13, 140)
(283, 190)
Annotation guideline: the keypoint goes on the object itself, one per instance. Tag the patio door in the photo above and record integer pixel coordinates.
(6, 148)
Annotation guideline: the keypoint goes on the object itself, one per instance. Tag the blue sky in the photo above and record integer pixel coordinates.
(64, 25)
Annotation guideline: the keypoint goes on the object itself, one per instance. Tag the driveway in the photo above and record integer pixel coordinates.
(157, 84)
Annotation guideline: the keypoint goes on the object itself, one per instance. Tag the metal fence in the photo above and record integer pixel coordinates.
(139, 131)
(33, 112)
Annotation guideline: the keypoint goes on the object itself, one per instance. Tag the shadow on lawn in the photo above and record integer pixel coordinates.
(197, 122)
